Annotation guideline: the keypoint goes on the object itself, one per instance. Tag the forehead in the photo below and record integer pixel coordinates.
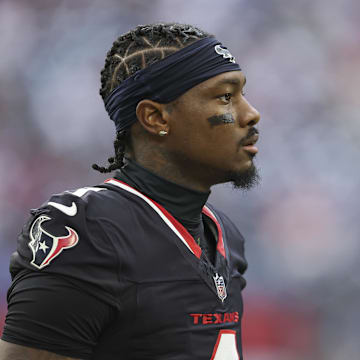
(234, 78)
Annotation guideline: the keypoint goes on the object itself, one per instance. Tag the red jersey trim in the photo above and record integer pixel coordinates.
(220, 242)
(174, 225)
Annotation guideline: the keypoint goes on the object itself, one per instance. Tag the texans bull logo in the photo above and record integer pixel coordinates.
(225, 53)
(45, 246)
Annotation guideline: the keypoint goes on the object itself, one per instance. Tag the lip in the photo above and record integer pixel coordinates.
(251, 149)
(249, 144)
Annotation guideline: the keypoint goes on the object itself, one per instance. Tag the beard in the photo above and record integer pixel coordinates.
(245, 179)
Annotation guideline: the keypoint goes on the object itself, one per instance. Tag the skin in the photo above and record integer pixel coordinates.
(202, 145)
(205, 127)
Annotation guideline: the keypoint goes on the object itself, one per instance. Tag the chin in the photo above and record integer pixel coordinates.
(246, 178)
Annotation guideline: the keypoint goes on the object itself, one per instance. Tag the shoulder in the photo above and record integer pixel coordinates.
(73, 234)
(229, 227)
(90, 204)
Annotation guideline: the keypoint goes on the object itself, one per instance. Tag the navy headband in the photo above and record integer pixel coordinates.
(167, 79)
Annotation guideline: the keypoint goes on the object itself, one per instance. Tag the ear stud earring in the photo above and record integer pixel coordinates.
(162, 132)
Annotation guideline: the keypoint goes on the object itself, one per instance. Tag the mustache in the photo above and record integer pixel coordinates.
(253, 131)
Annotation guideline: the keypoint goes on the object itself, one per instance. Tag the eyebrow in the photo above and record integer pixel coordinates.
(233, 81)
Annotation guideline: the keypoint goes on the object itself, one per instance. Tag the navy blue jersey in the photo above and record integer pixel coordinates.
(105, 272)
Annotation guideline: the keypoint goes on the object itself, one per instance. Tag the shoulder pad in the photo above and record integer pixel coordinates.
(54, 227)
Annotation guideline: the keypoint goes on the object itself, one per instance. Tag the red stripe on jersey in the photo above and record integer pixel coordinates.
(182, 230)
(220, 243)
(195, 248)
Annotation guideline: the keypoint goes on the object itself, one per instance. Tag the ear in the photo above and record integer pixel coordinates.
(152, 116)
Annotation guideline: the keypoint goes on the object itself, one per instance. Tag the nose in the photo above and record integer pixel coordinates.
(250, 115)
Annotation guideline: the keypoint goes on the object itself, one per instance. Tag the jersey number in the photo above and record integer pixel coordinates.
(225, 347)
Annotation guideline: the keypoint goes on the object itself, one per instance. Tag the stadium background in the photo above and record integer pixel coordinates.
(301, 59)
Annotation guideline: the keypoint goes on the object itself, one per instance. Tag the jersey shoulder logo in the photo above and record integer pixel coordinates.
(45, 246)
(72, 210)
(68, 210)
(225, 53)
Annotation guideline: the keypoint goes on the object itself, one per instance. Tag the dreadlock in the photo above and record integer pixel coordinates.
(133, 51)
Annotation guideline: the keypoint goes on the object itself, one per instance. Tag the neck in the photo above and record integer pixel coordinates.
(171, 171)
(183, 203)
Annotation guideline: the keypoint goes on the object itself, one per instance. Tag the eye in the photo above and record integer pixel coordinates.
(226, 97)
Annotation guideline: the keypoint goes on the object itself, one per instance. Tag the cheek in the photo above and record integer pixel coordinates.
(193, 133)
(187, 124)
(218, 143)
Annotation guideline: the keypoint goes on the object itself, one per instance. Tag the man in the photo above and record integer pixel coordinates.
(141, 267)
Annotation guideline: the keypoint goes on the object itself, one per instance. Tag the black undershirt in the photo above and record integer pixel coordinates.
(183, 203)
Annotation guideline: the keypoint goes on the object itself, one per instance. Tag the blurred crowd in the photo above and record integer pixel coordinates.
(301, 60)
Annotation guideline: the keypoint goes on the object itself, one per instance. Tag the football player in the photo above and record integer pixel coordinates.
(141, 266)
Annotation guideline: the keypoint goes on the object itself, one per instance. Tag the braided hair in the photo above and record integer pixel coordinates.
(133, 51)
